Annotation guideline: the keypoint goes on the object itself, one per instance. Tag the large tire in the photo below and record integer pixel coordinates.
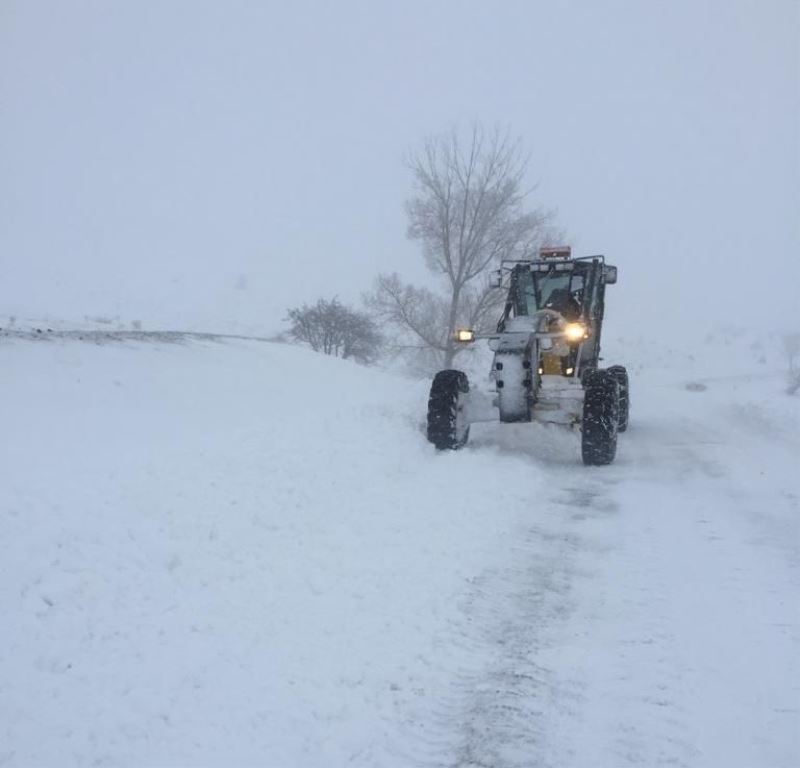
(621, 375)
(447, 425)
(600, 418)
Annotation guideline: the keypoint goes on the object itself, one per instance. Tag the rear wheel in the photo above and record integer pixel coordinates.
(621, 375)
(600, 418)
(448, 428)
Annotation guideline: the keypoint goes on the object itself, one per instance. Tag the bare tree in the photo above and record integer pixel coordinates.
(468, 212)
(334, 329)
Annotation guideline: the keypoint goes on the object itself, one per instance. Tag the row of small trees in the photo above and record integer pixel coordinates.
(468, 212)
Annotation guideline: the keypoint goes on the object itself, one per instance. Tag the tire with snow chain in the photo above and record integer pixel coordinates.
(447, 425)
(600, 418)
(620, 373)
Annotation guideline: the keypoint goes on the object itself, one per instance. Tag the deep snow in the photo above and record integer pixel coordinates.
(238, 553)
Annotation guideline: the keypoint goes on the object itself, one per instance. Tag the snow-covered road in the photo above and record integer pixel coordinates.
(653, 617)
(244, 554)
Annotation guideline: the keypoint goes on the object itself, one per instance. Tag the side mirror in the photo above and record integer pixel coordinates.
(609, 274)
(496, 278)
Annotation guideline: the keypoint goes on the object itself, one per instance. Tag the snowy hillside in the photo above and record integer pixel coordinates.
(229, 553)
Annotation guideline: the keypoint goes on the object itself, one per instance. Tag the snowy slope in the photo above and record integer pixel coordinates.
(240, 553)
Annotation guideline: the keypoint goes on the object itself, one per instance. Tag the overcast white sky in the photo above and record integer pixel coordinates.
(208, 164)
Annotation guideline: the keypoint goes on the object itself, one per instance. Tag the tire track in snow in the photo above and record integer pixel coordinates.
(527, 698)
(496, 711)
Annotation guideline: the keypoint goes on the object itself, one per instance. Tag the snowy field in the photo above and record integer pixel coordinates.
(237, 553)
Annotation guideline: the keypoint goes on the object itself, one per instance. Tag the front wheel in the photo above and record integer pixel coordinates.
(448, 428)
(600, 418)
(620, 373)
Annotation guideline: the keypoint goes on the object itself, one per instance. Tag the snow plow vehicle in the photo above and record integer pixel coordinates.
(546, 359)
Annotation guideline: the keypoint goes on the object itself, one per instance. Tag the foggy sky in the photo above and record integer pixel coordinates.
(208, 164)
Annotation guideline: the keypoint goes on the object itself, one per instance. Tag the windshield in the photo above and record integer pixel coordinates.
(540, 290)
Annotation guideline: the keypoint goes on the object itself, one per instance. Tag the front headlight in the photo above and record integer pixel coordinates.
(575, 331)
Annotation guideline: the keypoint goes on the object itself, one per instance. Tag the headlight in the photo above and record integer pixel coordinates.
(465, 335)
(575, 331)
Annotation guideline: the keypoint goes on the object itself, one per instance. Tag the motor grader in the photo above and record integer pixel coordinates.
(546, 364)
